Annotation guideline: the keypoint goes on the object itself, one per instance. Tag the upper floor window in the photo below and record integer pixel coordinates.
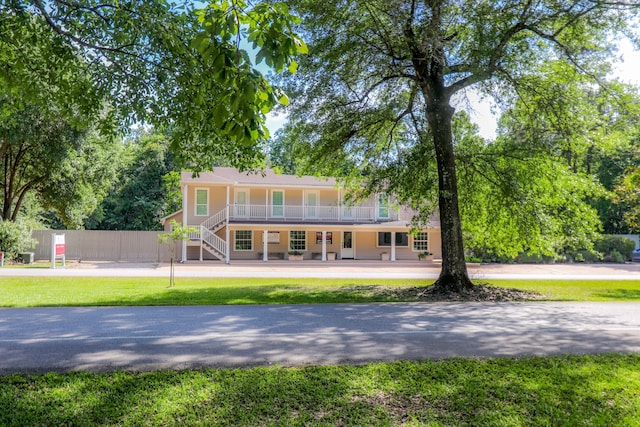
(421, 241)
(277, 203)
(202, 202)
(383, 206)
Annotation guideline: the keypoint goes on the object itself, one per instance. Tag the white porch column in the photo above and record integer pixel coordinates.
(266, 204)
(265, 246)
(393, 246)
(324, 246)
(228, 233)
(185, 203)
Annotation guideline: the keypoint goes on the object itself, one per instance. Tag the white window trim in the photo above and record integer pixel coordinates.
(195, 204)
(413, 239)
(306, 246)
(235, 239)
(379, 205)
(284, 203)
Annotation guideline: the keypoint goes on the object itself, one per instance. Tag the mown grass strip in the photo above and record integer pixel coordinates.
(127, 291)
(565, 390)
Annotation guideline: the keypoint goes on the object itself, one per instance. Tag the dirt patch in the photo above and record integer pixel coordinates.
(479, 293)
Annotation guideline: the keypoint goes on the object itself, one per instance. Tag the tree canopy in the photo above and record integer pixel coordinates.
(167, 64)
(378, 88)
(147, 187)
(105, 66)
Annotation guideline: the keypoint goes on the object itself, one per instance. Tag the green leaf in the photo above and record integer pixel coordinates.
(283, 99)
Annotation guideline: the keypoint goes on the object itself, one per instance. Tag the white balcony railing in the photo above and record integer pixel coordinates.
(311, 213)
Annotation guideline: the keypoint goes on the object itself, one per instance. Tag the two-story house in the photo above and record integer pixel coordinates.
(265, 215)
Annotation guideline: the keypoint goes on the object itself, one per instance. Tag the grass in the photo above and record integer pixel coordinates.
(112, 291)
(578, 290)
(601, 390)
(559, 391)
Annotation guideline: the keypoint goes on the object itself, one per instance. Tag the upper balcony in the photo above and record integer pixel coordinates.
(287, 213)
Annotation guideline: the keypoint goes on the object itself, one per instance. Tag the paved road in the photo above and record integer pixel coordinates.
(145, 338)
(336, 269)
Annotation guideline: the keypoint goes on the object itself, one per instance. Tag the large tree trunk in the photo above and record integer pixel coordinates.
(454, 276)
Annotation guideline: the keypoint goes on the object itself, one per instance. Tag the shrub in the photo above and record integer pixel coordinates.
(532, 258)
(617, 257)
(584, 255)
(607, 244)
(15, 236)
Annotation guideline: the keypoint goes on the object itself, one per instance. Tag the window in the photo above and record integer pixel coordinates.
(384, 239)
(297, 240)
(244, 240)
(277, 200)
(202, 202)
(421, 242)
(383, 206)
(319, 238)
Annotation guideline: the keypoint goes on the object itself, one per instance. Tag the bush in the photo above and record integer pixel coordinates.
(532, 258)
(607, 244)
(617, 257)
(583, 256)
(15, 236)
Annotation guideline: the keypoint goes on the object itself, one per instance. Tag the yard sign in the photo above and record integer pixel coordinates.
(58, 249)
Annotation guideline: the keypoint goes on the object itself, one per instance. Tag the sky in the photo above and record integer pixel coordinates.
(628, 70)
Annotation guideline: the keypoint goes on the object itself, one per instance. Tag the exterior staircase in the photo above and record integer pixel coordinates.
(209, 241)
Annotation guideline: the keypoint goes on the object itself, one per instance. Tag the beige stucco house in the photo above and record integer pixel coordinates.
(266, 215)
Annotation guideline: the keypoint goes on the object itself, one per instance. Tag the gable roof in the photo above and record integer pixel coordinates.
(264, 177)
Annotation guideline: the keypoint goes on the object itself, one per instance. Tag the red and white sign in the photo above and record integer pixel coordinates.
(58, 249)
(59, 242)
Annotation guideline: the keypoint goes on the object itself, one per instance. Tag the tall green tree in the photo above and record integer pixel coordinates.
(145, 190)
(65, 169)
(380, 80)
(171, 65)
(628, 195)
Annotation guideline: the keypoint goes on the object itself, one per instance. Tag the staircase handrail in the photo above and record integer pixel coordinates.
(213, 240)
(214, 220)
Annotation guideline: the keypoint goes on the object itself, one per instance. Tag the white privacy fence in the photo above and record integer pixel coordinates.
(99, 245)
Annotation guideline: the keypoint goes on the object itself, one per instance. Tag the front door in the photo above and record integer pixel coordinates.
(347, 245)
(312, 203)
(241, 208)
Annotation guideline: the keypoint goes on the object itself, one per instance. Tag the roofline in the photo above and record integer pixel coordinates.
(163, 219)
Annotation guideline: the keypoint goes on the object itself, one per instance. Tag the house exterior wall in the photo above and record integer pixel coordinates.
(256, 212)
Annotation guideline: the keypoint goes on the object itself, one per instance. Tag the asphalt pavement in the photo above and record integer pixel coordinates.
(149, 338)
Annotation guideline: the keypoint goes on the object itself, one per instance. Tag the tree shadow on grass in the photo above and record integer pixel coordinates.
(532, 391)
(271, 294)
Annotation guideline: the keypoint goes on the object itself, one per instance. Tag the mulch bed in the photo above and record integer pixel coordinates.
(479, 293)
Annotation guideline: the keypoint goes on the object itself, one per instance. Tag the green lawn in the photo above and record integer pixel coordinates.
(84, 291)
(560, 391)
(554, 391)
